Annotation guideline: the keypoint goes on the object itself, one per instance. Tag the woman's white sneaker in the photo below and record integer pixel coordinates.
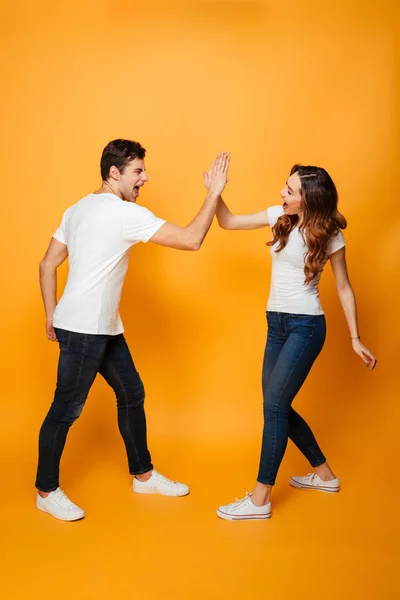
(313, 482)
(58, 505)
(244, 510)
(158, 484)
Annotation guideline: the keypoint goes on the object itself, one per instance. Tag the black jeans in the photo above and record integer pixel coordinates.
(293, 344)
(82, 356)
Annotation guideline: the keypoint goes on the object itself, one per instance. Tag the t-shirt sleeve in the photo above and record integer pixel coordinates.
(335, 243)
(273, 214)
(140, 224)
(60, 233)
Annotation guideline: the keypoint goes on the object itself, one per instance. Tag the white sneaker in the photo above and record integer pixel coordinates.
(158, 484)
(313, 482)
(58, 505)
(244, 510)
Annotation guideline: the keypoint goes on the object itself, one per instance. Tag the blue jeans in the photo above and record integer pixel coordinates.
(293, 344)
(82, 356)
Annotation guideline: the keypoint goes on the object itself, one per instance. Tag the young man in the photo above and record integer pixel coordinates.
(97, 234)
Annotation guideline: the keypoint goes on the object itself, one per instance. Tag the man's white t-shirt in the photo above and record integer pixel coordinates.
(288, 292)
(99, 231)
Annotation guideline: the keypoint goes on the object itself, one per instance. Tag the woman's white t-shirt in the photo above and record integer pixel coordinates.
(288, 292)
(99, 231)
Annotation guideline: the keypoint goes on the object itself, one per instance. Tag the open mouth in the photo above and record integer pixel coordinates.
(285, 205)
(136, 191)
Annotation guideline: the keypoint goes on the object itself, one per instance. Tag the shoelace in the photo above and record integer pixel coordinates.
(62, 499)
(239, 501)
(163, 479)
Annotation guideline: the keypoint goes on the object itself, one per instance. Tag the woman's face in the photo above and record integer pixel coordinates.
(291, 196)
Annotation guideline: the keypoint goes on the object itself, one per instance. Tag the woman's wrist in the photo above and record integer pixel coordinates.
(356, 338)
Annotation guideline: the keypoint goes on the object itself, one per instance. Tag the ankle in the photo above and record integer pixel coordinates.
(261, 494)
(43, 494)
(260, 500)
(324, 473)
(143, 476)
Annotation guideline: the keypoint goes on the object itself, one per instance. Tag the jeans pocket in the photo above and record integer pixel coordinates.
(304, 324)
(63, 338)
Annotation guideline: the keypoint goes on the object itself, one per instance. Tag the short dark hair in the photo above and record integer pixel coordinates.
(118, 153)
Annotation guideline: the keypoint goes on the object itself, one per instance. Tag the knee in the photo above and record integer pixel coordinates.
(66, 416)
(274, 409)
(133, 398)
(74, 414)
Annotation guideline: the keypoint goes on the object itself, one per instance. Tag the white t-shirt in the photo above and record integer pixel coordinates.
(99, 231)
(288, 292)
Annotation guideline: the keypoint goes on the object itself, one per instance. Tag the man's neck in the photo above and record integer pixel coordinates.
(108, 188)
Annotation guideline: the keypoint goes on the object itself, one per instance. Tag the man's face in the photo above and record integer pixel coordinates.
(132, 179)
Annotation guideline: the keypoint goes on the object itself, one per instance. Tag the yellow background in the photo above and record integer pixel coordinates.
(274, 83)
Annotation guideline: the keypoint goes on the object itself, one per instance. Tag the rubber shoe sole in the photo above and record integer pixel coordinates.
(170, 493)
(229, 517)
(43, 509)
(320, 488)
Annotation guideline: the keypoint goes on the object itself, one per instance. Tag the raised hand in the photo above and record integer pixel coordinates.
(216, 178)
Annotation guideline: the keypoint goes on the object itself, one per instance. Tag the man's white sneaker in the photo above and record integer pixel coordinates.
(313, 482)
(58, 505)
(158, 484)
(244, 510)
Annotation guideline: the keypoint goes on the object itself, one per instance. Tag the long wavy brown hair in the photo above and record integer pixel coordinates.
(321, 218)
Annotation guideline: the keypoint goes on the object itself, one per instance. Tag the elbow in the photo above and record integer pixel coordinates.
(192, 243)
(194, 246)
(45, 267)
(344, 288)
(223, 224)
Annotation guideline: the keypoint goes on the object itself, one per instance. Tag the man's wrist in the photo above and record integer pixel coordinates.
(212, 196)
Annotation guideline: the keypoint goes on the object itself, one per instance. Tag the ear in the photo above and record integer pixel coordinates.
(114, 173)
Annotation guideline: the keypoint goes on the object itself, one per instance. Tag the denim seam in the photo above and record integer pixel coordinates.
(281, 393)
(312, 452)
(71, 399)
(127, 411)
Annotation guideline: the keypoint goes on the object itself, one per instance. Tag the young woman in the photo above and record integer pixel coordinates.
(306, 231)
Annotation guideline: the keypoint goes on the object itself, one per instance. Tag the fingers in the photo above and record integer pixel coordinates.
(369, 359)
(214, 167)
(225, 158)
(219, 167)
(216, 179)
(224, 163)
(221, 163)
(51, 334)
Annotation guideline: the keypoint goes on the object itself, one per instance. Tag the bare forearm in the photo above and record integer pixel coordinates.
(191, 237)
(223, 213)
(348, 302)
(227, 220)
(48, 287)
(198, 228)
